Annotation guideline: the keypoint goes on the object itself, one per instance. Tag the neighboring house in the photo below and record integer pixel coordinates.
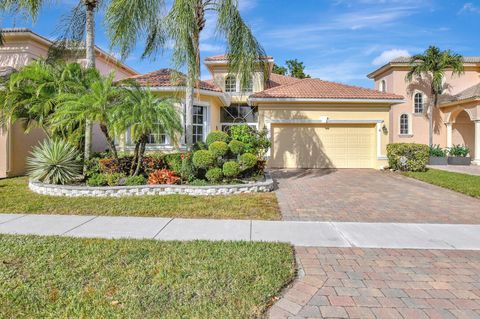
(21, 47)
(456, 121)
(312, 123)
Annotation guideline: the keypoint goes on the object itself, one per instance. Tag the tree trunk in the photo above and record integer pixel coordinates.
(189, 110)
(90, 63)
(141, 152)
(110, 141)
(430, 120)
(135, 158)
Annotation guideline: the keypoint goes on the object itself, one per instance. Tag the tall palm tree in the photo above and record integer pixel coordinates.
(433, 64)
(95, 104)
(184, 22)
(143, 113)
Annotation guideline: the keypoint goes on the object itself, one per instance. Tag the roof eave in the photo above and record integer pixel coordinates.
(460, 102)
(256, 100)
(222, 96)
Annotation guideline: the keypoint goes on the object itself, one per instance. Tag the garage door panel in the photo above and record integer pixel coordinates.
(322, 146)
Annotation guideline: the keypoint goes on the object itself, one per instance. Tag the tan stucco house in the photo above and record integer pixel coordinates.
(312, 123)
(21, 47)
(456, 121)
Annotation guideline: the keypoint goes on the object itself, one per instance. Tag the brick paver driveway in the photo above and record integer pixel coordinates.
(382, 283)
(363, 195)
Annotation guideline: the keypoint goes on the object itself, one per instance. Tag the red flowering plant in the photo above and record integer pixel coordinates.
(163, 176)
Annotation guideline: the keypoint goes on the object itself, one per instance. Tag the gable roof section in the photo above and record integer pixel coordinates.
(471, 93)
(316, 89)
(278, 80)
(171, 78)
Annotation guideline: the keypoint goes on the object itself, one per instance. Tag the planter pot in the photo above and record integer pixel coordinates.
(459, 160)
(436, 160)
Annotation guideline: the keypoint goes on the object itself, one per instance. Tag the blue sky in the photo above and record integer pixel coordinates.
(339, 40)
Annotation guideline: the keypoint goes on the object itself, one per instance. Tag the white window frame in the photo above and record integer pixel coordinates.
(415, 102)
(229, 87)
(255, 124)
(382, 86)
(409, 123)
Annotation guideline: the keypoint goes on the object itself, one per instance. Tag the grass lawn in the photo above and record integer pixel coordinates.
(54, 277)
(463, 183)
(15, 197)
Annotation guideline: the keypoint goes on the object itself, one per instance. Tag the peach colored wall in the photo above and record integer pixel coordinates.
(395, 78)
(19, 50)
(463, 132)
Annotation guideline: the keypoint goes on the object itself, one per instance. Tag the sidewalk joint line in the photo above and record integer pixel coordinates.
(15, 218)
(342, 235)
(78, 225)
(171, 219)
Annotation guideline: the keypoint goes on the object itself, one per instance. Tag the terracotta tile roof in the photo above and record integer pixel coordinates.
(169, 77)
(278, 79)
(223, 57)
(319, 89)
(472, 92)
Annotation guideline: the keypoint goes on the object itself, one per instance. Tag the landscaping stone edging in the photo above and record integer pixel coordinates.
(119, 191)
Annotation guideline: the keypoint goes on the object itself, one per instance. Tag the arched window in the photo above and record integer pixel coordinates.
(383, 86)
(418, 103)
(249, 87)
(404, 125)
(230, 84)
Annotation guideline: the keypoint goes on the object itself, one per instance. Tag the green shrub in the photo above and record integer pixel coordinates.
(152, 163)
(248, 160)
(92, 166)
(408, 156)
(135, 180)
(54, 162)
(217, 136)
(173, 161)
(187, 171)
(437, 151)
(236, 147)
(459, 150)
(199, 182)
(214, 174)
(199, 146)
(97, 180)
(116, 179)
(256, 142)
(231, 169)
(218, 149)
(203, 159)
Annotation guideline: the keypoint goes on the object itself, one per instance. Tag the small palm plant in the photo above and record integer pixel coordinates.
(54, 162)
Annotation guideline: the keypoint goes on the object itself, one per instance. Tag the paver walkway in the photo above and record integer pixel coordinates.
(324, 234)
(382, 283)
(367, 195)
(471, 169)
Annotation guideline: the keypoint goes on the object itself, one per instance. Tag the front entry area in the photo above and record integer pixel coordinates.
(323, 146)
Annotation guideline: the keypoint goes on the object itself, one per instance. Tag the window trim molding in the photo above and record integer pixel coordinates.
(424, 102)
(227, 78)
(409, 122)
(382, 86)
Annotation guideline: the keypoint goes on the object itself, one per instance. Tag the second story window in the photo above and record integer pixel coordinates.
(230, 84)
(382, 86)
(248, 87)
(418, 103)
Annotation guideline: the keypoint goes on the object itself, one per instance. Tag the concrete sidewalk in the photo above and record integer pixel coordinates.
(320, 234)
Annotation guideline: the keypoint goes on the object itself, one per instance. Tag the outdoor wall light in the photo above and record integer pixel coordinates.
(384, 129)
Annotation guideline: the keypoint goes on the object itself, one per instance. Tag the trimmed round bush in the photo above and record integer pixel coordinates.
(218, 149)
(231, 169)
(237, 147)
(217, 136)
(248, 160)
(214, 174)
(135, 180)
(203, 159)
(408, 156)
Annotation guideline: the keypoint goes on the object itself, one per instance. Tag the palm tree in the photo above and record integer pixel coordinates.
(143, 113)
(31, 94)
(433, 64)
(95, 104)
(128, 20)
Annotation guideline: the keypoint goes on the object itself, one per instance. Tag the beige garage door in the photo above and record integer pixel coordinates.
(323, 146)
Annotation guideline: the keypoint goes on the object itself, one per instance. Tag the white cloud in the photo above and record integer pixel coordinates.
(388, 55)
(469, 7)
(345, 71)
(245, 5)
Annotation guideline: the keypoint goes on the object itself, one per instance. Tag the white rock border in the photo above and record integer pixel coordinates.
(120, 191)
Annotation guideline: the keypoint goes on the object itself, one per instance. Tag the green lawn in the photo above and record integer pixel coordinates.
(53, 277)
(15, 197)
(463, 183)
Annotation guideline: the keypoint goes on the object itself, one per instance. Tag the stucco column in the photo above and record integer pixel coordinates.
(476, 160)
(449, 134)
